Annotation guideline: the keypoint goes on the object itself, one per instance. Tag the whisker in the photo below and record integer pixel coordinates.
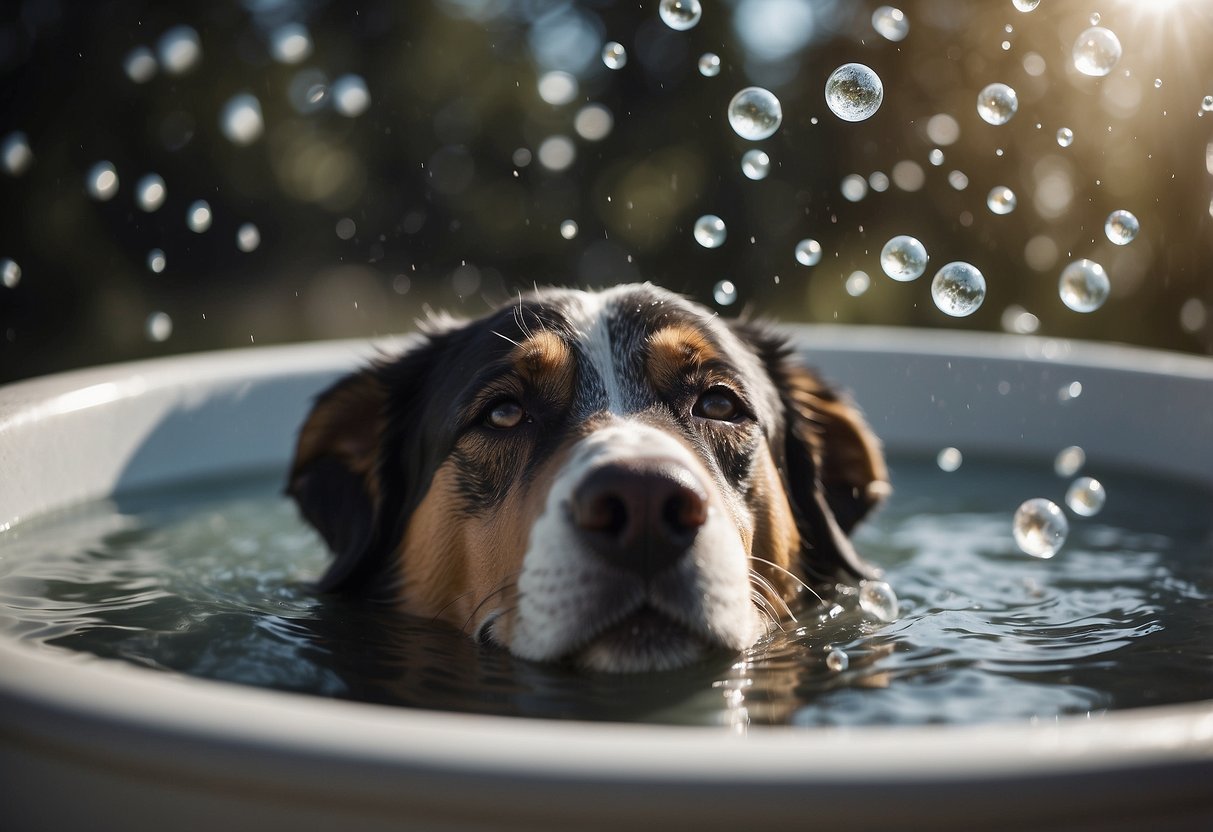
(763, 604)
(790, 574)
(765, 584)
(503, 585)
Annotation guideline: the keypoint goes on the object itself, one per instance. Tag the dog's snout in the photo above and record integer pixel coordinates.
(640, 515)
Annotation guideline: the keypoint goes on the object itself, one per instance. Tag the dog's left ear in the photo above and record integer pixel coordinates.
(832, 464)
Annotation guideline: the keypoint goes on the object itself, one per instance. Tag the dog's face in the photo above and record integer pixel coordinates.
(620, 479)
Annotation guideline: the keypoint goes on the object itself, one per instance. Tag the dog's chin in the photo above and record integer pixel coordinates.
(642, 642)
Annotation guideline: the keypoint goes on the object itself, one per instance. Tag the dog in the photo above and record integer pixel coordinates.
(619, 479)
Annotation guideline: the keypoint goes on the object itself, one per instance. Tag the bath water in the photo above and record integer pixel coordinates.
(211, 580)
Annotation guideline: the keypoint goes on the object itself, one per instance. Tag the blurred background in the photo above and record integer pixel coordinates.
(177, 178)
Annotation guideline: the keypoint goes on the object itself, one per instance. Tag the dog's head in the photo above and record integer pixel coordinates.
(621, 479)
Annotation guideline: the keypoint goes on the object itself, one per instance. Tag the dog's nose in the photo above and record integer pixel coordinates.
(640, 515)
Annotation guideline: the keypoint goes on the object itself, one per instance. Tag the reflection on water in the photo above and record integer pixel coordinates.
(212, 581)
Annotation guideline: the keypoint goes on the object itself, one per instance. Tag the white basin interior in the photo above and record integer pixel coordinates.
(89, 742)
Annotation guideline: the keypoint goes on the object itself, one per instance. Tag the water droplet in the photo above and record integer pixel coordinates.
(290, 43)
(949, 459)
(878, 600)
(709, 64)
(556, 153)
(1096, 51)
(346, 228)
(248, 237)
(890, 23)
(156, 260)
(150, 192)
(837, 660)
(1206, 104)
(1040, 528)
(710, 231)
(102, 181)
(943, 129)
(724, 293)
(593, 122)
(1001, 200)
(140, 65)
(755, 113)
(240, 119)
(568, 229)
(1086, 496)
(1157, 83)
(680, 14)
(903, 258)
(808, 252)
(854, 187)
(159, 326)
(1065, 137)
(557, 88)
(1025, 5)
(1121, 227)
(878, 181)
(198, 216)
(1095, 18)
(997, 103)
(755, 164)
(350, 95)
(958, 289)
(854, 92)
(1084, 286)
(15, 154)
(10, 273)
(1069, 461)
(935, 157)
(958, 180)
(1018, 320)
(857, 283)
(179, 49)
(1070, 391)
(614, 55)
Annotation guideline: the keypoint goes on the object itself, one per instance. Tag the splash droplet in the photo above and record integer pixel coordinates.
(350, 95)
(710, 231)
(159, 327)
(198, 216)
(958, 289)
(1001, 200)
(248, 237)
(179, 49)
(903, 258)
(853, 187)
(1084, 286)
(878, 600)
(1025, 5)
(857, 283)
(949, 459)
(1065, 137)
(102, 181)
(709, 64)
(614, 55)
(837, 660)
(15, 155)
(150, 192)
(240, 119)
(10, 273)
(1096, 51)
(680, 14)
(755, 164)
(1040, 528)
(140, 65)
(854, 92)
(1206, 104)
(808, 252)
(1069, 461)
(755, 113)
(568, 229)
(890, 23)
(1121, 227)
(997, 103)
(156, 261)
(724, 293)
(290, 43)
(1086, 496)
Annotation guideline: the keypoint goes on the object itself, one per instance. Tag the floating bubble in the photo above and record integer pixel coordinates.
(557, 88)
(903, 258)
(15, 154)
(568, 229)
(248, 237)
(890, 23)
(156, 260)
(179, 49)
(159, 327)
(1121, 227)
(854, 187)
(1040, 528)
(755, 113)
(1069, 461)
(1086, 496)
(709, 64)
(958, 180)
(102, 181)
(290, 43)
(854, 92)
(710, 231)
(10, 273)
(198, 216)
(1084, 286)
(958, 289)
(614, 55)
(724, 293)
(878, 600)
(140, 65)
(755, 164)
(857, 283)
(1065, 137)
(350, 95)
(150, 192)
(808, 252)
(997, 103)
(1096, 51)
(1025, 5)
(680, 14)
(935, 157)
(949, 459)
(593, 122)
(1001, 200)
(837, 660)
(240, 119)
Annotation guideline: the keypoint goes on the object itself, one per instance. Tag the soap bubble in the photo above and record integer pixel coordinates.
(997, 103)
(857, 283)
(15, 154)
(854, 92)
(10, 273)
(179, 49)
(808, 252)
(350, 95)
(614, 55)
(1001, 200)
(156, 261)
(709, 64)
(1121, 227)
(150, 192)
(140, 65)
(159, 326)
(240, 119)
(1025, 5)
(878, 600)
(1040, 528)
(710, 231)
(903, 258)
(1084, 286)
(1065, 137)
(1096, 51)
(724, 293)
(1069, 461)
(949, 459)
(755, 164)
(958, 289)
(568, 229)
(290, 43)
(837, 660)
(102, 181)
(890, 23)
(1086, 496)
(755, 113)
(248, 237)
(198, 217)
(854, 187)
(680, 14)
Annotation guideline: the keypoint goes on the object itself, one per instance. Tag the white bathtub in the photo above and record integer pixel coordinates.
(92, 744)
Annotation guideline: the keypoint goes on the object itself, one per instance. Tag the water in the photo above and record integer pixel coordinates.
(614, 55)
(903, 258)
(958, 289)
(1121, 227)
(150, 192)
(755, 113)
(1084, 286)
(808, 252)
(680, 14)
(240, 119)
(878, 601)
(854, 92)
(1001, 200)
(709, 64)
(1096, 51)
(1086, 496)
(890, 23)
(755, 164)
(211, 580)
(710, 231)
(1065, 137)
(996, 103)
(1040, 527)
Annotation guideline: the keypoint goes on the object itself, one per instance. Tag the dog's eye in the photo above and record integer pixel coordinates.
(505, 414)
(718, 404)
